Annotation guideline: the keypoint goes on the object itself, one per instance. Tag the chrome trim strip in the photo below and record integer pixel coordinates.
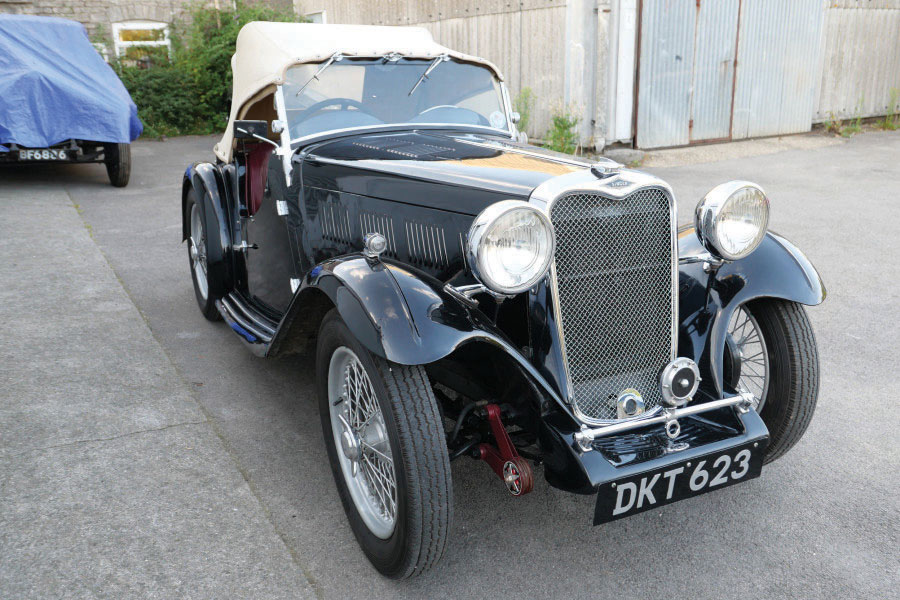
(285, 148)
(524, 151)
(237, 317)
(508, 109)
(393, 127)
(584, 437)
(627, 182)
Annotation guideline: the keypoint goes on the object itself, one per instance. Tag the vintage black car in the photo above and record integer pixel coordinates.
(468, 295)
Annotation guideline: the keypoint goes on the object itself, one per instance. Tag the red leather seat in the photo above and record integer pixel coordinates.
(257, 170)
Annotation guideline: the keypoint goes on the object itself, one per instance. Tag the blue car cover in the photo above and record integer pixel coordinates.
(54, 86)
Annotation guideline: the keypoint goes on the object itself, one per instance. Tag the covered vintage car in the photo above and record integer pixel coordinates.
(59, 101)
(468, 295)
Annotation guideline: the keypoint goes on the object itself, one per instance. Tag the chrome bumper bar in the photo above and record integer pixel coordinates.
(669, 416)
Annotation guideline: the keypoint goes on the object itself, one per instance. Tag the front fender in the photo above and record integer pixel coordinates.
(707, 301)
(394, 312)
(212, 193)
(398, 313)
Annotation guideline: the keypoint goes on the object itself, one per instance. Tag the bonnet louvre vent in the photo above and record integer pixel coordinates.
(335, 223)
(398, 147)
(427, 245)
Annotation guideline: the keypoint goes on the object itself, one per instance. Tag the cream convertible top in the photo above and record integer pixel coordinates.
(266, 50)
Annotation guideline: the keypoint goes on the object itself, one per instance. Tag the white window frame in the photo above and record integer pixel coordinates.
(120, 46)
(324, 16)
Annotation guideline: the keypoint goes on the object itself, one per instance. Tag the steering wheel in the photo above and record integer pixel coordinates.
(344, 103)
(455, 110)
(427, 110)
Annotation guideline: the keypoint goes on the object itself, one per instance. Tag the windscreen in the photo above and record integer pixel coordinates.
(357, 93)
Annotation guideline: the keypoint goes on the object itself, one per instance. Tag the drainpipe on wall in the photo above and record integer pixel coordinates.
(581, 68)
(622, 68)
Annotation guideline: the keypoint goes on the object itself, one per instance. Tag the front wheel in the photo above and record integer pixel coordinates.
(387, 451)
(118, 163)
(197, 253)
(771, 352)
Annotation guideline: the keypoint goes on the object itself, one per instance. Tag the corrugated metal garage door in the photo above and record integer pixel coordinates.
(778, 70)
(691, 86)
(664, 77)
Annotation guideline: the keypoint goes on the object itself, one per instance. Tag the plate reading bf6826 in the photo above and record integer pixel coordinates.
(43, 154)
(631, 495)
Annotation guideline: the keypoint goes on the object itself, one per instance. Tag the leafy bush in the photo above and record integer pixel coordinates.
(191, 94)
(167, 100)
(562, 136)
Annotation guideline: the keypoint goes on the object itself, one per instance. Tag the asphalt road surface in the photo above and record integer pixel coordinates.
(822, 522)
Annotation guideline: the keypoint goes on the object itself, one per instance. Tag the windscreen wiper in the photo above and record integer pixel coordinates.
(428, 71)
(334, 57)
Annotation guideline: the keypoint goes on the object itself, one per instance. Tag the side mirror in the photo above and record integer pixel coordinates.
(515, 117)
(247, 130)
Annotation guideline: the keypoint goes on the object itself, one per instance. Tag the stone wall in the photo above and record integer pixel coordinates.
(99, 15)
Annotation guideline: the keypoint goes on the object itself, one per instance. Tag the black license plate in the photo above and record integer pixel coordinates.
(45, 154)
(631, 495)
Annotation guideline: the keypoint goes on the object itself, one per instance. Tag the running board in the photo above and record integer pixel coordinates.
(253, 328)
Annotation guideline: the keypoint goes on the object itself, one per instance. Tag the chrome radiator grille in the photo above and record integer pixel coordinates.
(614, 280)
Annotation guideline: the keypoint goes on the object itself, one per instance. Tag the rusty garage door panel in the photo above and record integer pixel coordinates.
(726, 69)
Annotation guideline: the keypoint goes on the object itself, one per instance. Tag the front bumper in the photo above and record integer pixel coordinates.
(585, 460)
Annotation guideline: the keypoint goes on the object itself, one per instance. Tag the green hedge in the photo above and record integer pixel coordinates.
(191, 93)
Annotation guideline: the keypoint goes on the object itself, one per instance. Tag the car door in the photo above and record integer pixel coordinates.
(269, 253)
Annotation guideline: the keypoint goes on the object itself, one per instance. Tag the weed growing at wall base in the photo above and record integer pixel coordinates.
(891, 120)
(562, 136)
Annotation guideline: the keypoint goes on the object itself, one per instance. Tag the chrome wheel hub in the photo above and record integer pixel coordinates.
(751, 356)
(350, 446)
(361, 437)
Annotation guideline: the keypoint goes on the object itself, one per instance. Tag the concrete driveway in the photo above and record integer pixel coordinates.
(145, 453)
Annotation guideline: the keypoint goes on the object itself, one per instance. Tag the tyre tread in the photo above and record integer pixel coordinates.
(796, 341)
(428, 466)
(118, 165)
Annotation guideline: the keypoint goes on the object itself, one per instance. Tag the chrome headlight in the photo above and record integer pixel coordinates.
(510, 246)
(731, 219)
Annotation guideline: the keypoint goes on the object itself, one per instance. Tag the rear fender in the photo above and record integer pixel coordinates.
(212, 194)
(707, 301)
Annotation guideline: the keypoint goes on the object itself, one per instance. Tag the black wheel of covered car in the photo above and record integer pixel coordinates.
(387, 451)
(197, 253)
(118, 163)
(771, 352)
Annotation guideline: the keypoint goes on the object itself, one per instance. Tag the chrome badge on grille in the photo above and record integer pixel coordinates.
(630, 403)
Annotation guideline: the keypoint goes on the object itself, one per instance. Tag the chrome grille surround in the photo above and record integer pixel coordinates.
(647, 326)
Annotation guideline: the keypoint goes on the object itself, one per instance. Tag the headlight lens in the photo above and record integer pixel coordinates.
(510, 246)
(732, 218)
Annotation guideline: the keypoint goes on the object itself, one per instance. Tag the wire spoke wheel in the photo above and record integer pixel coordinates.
(361, 437)
(387, 450)
(752, 355)
(197, 243)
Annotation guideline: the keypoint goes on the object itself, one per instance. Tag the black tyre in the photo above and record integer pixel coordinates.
(387, 451)
(781, 369)
(118, 163)
(197, 253)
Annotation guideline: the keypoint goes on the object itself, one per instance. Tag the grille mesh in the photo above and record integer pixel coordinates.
(614, 281)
